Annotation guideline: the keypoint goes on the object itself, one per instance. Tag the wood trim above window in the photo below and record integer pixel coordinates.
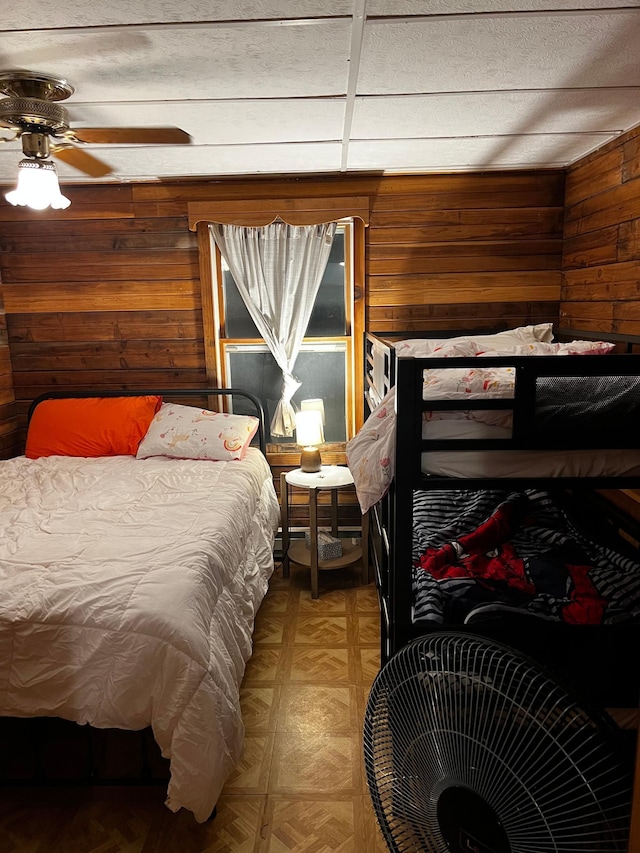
(294, 211)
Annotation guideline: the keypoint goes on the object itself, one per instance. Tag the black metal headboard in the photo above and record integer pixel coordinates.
(163, 392)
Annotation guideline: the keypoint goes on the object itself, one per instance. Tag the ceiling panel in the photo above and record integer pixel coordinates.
(290, 86)
(504, 52)
(466, 7)
(227, 122)
(486, 113)
(29, 14)
(529, 152)
(195, 161)
(190, 63)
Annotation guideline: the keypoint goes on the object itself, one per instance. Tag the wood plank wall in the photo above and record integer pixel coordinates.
(465, 251)
(107, 292)
(601, 254)
(9, 440)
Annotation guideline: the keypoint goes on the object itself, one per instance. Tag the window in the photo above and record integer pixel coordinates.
(325, 364)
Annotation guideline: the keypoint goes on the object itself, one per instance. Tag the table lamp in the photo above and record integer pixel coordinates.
(309, 435)
(316, 403)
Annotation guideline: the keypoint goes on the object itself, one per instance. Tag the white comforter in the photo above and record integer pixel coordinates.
(128, 590)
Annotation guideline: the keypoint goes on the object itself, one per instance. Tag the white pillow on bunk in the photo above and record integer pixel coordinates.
(371, 453)
(498, 342)
(559, 348)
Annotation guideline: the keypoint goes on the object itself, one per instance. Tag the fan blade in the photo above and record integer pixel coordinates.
(81, 160)
(132, 135)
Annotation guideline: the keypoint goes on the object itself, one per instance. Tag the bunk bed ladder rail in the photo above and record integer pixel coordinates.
(379, 371)
(408, 478)
(524, 400)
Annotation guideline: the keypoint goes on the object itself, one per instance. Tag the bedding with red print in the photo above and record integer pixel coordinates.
(477, 553)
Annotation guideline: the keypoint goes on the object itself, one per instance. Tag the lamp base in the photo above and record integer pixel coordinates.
(310, 460)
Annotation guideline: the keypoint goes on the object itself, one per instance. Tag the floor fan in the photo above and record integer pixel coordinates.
(469, 746)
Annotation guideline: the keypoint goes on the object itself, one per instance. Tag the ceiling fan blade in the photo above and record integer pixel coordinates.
(132, 135)
(81, 160)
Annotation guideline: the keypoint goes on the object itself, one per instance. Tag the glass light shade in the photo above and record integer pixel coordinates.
(310, 435)
(316, 404)
(309, 432)
(38, 186)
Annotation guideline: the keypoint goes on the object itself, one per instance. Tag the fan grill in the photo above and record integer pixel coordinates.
(469, 746)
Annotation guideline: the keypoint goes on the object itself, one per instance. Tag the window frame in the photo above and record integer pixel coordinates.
(215, 340)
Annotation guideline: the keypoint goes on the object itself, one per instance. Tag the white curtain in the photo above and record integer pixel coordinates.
(278, 269)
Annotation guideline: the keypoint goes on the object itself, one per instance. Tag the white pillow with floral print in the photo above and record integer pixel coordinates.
(477, 383)
(185, 432)
(470, 383)
(474, 383)
(559, 348)
(371, 454)
(502, 341)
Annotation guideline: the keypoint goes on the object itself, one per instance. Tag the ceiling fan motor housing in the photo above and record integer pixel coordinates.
(33, 114)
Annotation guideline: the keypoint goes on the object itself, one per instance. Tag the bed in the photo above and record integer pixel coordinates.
(448, 472)
(130, 581)
(499, 514)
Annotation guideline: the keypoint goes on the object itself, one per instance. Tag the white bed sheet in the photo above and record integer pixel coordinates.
(128, 590)
(517, 463)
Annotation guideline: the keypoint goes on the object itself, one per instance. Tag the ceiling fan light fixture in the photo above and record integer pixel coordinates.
(38, 186)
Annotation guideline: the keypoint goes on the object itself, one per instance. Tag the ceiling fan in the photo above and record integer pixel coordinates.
(32, 111)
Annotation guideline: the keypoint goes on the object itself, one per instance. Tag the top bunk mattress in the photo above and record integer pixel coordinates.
(489, 411)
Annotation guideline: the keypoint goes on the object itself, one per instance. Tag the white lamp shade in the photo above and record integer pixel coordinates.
(315, 404)
(309, 432)
(38, 186)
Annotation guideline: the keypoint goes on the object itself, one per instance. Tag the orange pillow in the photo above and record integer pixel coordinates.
(90, 426)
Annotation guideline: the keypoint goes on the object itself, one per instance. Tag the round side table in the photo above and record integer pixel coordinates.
(332, 477)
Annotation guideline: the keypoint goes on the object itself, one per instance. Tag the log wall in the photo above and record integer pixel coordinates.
(464, 251)
(601, 252)
(107, 292)
(9, 440)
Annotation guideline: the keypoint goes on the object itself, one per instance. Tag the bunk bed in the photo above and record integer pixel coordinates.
(459, 483)
(136, 548)
(548, 448)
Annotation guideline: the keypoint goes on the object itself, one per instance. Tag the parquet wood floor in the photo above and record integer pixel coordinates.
(300, 785)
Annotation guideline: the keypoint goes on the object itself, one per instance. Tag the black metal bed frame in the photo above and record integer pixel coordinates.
(391, 523)
(49, 751)
(174, 393)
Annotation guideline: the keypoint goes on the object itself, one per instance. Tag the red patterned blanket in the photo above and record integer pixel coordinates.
(478, 552)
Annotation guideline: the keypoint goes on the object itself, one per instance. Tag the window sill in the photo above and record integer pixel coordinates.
(288, 455)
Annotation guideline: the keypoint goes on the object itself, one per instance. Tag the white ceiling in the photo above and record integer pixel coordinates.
(299, 86)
